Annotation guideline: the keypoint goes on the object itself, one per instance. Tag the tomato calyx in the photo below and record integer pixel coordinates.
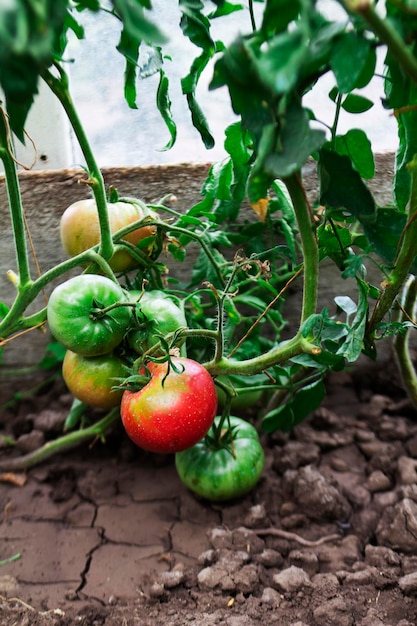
(222, 436)
(137, 381)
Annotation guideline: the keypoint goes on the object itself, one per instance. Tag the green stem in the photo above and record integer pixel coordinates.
(309, 246)
(14, 321)
(62, 444)
(174, 229)
(279, 354)
(336, 117)
(59, 87)
(405, 257)
(401, 342)
(252, 15)
(15, 202)
(386, 33)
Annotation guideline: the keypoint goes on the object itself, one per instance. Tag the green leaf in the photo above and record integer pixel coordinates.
(342, 187)
(296, 142)
(4, 309)
(225, 8)
(302, 404)
(28, 34)
(200, 121)
(385, 232)
(163, 103)
(189, 86)
(129, 48)
(357, 146)
(348, 59)
(354, 342)
(279, 66)
(195, 25)
(334, 240)
(137, 26)
(237, 68)
(278, 14)
(354, 103)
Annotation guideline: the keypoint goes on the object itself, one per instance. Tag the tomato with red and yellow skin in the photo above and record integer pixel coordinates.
(92, 379)
(172, 411)
(80, 228)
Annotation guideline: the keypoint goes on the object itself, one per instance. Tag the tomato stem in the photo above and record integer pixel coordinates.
(15, 201)
(401, 341)
(66, 442)
(14, 321)
(406, 254)
(60, 87)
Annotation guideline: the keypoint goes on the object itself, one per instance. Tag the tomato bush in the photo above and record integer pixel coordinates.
(80, 229)
(92, 379)
(174, 410)
(156, 315)
(226, 467)
(78, 318)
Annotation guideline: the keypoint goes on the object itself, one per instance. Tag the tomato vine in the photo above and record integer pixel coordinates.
(232, 314)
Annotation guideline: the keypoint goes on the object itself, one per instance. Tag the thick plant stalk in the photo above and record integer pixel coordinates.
(406, 254)
(15, 202)
(402, 340)
(386, 33)
(59, 86)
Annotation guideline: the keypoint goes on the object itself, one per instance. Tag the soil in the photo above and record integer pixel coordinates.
(107, 535)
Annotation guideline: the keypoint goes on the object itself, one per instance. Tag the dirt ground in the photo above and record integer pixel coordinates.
(108, 535)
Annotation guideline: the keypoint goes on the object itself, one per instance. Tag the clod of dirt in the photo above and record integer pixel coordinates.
(291, 580)
(408, 584)
(319, 496)
(334, 612)
(398, 527)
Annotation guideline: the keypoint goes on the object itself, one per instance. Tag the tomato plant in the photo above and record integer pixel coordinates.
(225, 464)
(92, 379)
(173, 410)
(80, 229)
(88, 314)
(234, 293)
(156, 317)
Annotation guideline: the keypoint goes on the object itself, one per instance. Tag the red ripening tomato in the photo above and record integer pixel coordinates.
(80, 228)
(171, 412)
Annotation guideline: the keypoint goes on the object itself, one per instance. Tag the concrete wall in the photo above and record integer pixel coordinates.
(46, 194)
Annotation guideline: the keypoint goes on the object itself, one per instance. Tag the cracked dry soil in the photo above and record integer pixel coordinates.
(108, 535)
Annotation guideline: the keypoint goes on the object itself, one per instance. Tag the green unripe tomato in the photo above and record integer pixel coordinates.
(159, 316)
(223, 473)
(74, 314)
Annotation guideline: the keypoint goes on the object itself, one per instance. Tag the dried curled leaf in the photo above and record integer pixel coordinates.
(261, 208)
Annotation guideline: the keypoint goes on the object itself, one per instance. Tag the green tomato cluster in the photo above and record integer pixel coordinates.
(93, 316)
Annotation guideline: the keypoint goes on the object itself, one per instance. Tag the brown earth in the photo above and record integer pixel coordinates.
(108, 535)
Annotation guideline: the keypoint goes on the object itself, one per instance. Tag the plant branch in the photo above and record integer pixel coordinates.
(62, 444)
(405, 256)
(401, 341)
(309, 245)
(59, 87)
(15, 202)
(386, 33)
